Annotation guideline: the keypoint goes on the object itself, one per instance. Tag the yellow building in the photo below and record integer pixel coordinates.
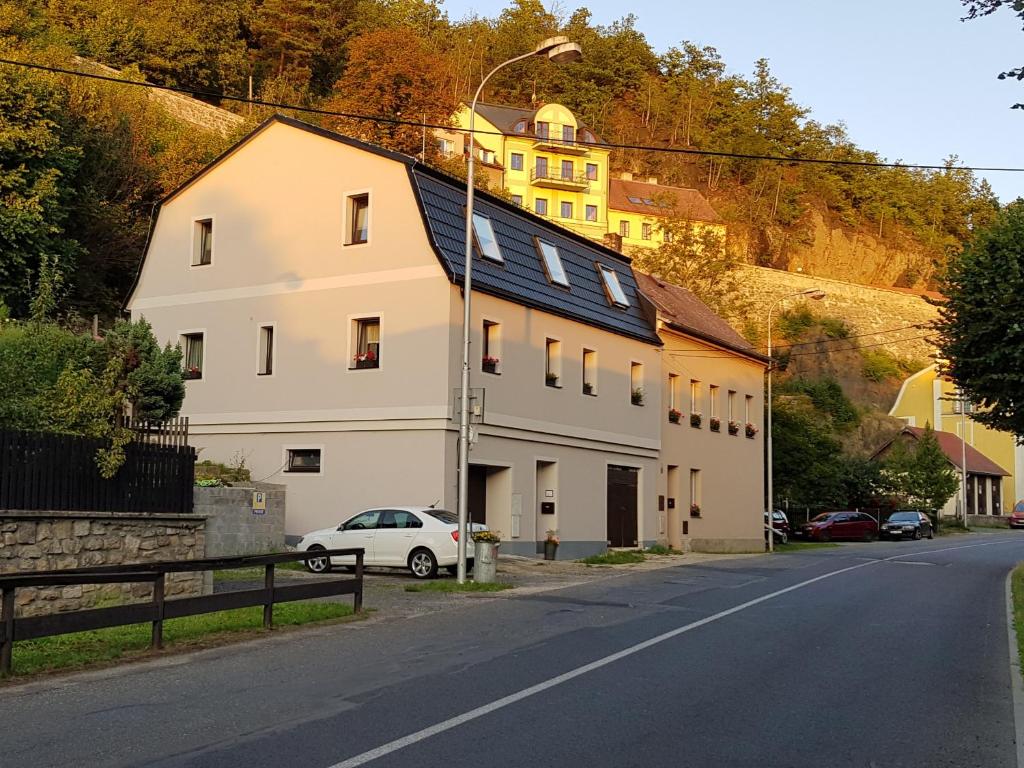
(926, 397)
(637, 209)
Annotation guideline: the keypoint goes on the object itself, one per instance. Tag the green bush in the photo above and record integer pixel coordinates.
(826, 396)
(794, 323)
(880, 365)
(834, 327)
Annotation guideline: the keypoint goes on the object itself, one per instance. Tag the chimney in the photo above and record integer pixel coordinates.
(626, 176)
(613, 240)
(652, 179)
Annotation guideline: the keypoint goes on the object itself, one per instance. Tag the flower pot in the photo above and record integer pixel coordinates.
(366, 364)
(550, 550)
(485, 562)
(490, 367)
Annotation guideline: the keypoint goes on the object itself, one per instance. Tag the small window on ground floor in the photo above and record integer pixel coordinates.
(302, 460)
(192, 349)
(366, 332)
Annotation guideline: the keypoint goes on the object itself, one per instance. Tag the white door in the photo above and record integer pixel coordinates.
(395, 536)
(357, 532)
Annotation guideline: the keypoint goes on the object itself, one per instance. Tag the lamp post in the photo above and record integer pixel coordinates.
(559, 50)
(813, 293)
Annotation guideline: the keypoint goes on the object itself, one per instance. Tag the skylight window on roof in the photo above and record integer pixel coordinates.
(635, 200)
(648, 201)
(613, 286)
(552, 263)
(486, 242)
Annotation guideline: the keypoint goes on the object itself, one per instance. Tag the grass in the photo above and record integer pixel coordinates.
(615, 557)
(797, 546)
(253, 574)
(1017, 590)
(451, 585)
(661, 549)
(82, 649)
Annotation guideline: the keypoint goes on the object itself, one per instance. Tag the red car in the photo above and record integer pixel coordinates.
(1016, 519)
(841, 525)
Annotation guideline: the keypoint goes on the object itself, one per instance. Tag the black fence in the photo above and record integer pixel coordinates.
(44, 471)
(158, 610)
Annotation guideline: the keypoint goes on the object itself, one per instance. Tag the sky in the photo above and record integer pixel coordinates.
(907, 77)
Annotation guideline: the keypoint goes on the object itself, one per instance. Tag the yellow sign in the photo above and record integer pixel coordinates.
(259, 502)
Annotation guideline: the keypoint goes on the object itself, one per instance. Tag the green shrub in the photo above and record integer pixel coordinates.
(880, 365)
(834, 327)
(826, 396)
(794, 323)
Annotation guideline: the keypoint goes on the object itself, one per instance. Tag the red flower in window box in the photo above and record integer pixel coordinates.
(695, 420)
(734, 427)
(674, 416)
(192, 372)
(751, 430)
(367, 359)
(715, 423)
(490, 364)
(695, 510)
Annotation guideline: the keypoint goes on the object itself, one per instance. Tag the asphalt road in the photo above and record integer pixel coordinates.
(875, 655)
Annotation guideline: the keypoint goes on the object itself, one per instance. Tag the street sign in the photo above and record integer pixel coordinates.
(259, 502)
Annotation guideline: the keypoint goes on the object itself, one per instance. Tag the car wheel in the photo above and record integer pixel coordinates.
(318, 564)
(423, 564)
(931, 534)
(825, 536)
(917, 534)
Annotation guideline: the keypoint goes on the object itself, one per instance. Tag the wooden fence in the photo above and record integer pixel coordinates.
(45, 471)
(158, 610)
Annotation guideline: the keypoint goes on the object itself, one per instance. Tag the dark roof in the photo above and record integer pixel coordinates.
(505, 118)
(684, 312)
(522, 278)
(684, 202)
(953, 448)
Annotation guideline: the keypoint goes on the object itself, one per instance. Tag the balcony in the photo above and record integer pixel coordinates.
(555, 140)
(553, 179)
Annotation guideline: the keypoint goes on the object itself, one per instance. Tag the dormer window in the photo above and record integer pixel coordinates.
(486, 242)
(487, 156)
(520, 127)
(612, 286)
(552, 263)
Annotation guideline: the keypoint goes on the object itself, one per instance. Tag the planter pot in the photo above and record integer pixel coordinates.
(490, 367)
(485, 563)
(367, 364)
(715, 425)
(550, 550)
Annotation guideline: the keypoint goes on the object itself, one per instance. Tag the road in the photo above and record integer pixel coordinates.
(880, 655)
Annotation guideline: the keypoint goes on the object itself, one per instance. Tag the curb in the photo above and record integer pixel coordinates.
(1016, 680)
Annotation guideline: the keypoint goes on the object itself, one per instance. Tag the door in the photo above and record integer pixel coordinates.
(396, 534)
(357, 532)
(845, 527)
(622, 505)
(477, 494)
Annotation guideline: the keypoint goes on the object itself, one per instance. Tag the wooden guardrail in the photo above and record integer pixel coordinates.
(158, 610)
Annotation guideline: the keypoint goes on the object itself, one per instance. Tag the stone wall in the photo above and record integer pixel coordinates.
(43, 541)
(234, 528)
(865, 309)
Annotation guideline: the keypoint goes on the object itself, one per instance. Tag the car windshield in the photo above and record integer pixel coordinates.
(903, 517)
(822, 517)
(443, 515)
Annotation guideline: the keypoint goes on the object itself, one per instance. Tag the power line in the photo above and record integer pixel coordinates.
(862, 346)
(424, 124)
(711, 354)
(845, 338)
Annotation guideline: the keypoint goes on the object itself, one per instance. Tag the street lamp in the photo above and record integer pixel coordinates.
(561, 51)
(812, 293)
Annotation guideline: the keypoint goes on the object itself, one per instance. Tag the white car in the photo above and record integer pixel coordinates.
(417, 538)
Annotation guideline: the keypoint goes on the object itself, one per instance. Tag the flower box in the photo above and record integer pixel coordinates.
(715, 424)
(674, 416)
(367, 364)
(551, 379)
(490, 364)
(190, 374)
(695, 510)
(588, 388)
(695, 420)
(734, 427)
(751, 431)
(367, 359)
(636, 396)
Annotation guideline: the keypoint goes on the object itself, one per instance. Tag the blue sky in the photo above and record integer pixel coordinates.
(908, 79)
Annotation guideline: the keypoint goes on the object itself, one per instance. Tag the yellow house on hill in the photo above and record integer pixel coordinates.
(927, 397)
(554, 165)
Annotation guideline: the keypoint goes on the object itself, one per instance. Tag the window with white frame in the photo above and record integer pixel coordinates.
(695, 403)
(358, 219)
(553, 362)
(612, 286)
(491, 360)
(713, 401)
(366, 342)
(202, 242)
(589, 372)
(674, 392)
(266, 351)
(624, 228)
(486, 242)
(732, 405)
(645, 231)
(695, 493)
(552, 263)
(748, 408)
(446, 147)
(192, 347)
(303, 460)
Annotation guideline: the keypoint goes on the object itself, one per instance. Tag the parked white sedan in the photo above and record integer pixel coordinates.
(417, 538)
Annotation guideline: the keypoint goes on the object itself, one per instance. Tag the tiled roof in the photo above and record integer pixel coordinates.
(505, 118)
(687, 203)
(522, 278)
(952, 446)
(686, 313)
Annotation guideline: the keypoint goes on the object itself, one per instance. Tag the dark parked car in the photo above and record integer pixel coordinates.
(900, 525)
(840, 525)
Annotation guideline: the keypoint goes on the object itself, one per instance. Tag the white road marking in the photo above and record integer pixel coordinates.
(533, 690)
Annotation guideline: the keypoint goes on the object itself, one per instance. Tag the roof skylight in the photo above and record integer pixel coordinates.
(552, 263)
(486, 242)
(613, 286)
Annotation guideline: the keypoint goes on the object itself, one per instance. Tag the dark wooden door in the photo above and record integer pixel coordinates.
(622, 506)
(477, 494)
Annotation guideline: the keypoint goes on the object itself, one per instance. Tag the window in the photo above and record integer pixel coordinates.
(694, 396)
(566, 210)
(302, 460)
(518, 200)
(520, 127)
(542, 130)
(367, 343)
(486, 242)
(592, 171)
(552, 362)
(589, 372)
(364, 521)
(398, 518)
(266, 351)
(624, 229)
(487, 156)
(192, 355)
(552, 263)
(568, 171)
(541, 166)
(446, 147)
(612, 286)
(674, 391)
(540, 205)
(645, 231)
(568, 134)
(636, 383)
(748, 408)
(516, 161)
(591, 213)
(695, 492)
(202, 246)
(358, 219)
(732, 405)
(667, 235)
(491, 361)
(713, 401)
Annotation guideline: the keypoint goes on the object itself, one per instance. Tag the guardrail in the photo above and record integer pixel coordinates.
(158, 610)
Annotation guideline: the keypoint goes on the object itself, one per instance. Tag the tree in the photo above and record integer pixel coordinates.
(919, 474)
(976, 8)
(806, 458)
(980, 325)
